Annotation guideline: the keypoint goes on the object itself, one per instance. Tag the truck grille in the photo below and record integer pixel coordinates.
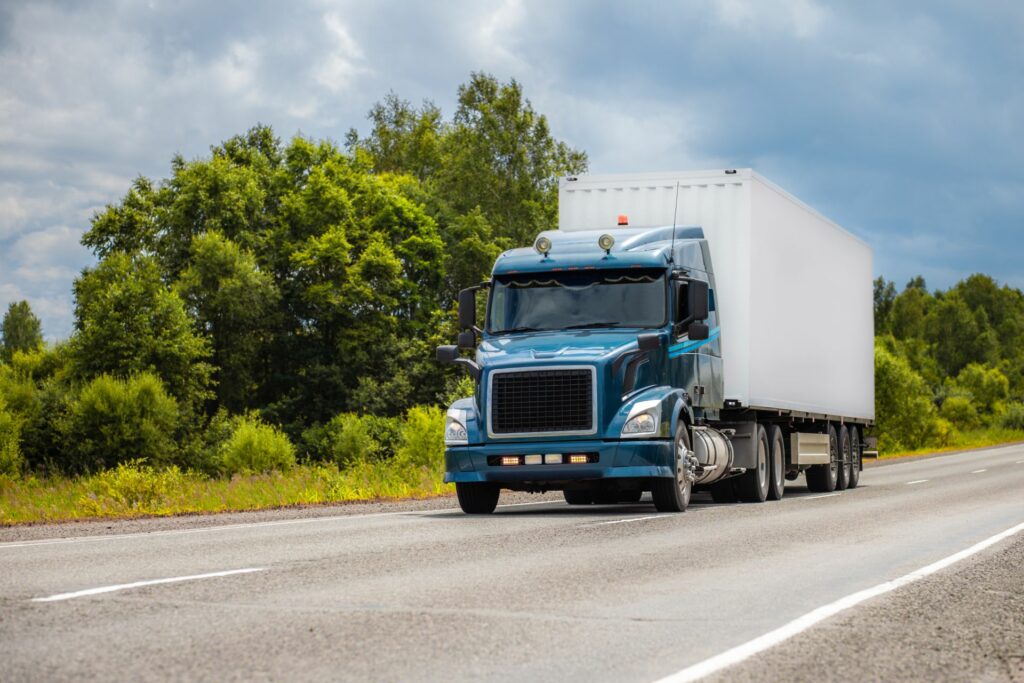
(542, 401)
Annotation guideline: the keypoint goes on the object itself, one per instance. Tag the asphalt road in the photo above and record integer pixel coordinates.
(540, 591)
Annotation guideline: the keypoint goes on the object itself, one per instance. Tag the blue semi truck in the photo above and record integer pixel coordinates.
(678, 332)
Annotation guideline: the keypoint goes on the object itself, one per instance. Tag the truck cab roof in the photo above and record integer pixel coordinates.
(633, 248)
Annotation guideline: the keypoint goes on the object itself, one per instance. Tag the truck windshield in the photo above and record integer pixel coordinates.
(577, 300)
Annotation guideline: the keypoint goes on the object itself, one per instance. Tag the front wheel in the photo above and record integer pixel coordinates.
(673, 495)
(477, 499)
(578, 496)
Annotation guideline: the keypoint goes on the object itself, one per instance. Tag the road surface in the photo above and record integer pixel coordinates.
(540, 591)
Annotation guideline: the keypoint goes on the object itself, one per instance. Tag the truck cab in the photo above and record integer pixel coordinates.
(596, 353)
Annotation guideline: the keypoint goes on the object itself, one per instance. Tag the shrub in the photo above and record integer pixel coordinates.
(114, 421)
(349, 438)
(423, 438)
(986, 386)
(960, 411)
(11, 460)
(942, 433)
(903, 409)
(132, 486)
(255, 446)
(1013, 417)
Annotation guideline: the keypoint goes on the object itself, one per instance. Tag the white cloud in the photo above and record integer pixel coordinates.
(342, 63)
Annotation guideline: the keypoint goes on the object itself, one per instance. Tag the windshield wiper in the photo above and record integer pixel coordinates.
(518, 329)
(581, 326)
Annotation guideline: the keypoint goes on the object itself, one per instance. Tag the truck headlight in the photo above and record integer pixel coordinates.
(644, 420)
(455, 433)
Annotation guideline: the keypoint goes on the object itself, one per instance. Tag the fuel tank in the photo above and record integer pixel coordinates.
(714, 454)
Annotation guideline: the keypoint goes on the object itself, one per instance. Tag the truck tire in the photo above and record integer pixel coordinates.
(845, 458)
(477, 499)
(723, 491)
(855, 450)
(673, 494)
(822, 478)
(777, 474)
(752, 485)
(578, 496)
(630, 496)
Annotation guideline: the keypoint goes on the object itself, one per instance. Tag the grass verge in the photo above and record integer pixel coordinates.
(136, 490)
(978, 438)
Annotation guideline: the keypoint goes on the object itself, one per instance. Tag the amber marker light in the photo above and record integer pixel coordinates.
(578, 459)
(510, 460)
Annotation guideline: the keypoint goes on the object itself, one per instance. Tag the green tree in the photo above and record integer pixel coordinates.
(234, 304)
(957, 335)
(403, 139)
(885, 296)
(904, 414)
(987, 387)
(128, 321)
(20, 330)
(909, 308)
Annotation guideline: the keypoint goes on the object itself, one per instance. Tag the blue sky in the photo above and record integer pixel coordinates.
(902, 121)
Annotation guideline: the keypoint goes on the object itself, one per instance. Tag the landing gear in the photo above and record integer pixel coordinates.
(673, 495)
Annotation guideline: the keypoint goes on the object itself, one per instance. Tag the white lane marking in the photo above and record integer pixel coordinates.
(623, 521)
(823, 495)
(138, 584)
(979, 471)
(917, 481)
(800, 624)
(1019, 462)
(242, 525)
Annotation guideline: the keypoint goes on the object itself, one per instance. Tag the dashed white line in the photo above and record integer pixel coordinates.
(823, 495)
(139, 584)
(917, 481)
(800, 624)
(979, 471)
(623, 521)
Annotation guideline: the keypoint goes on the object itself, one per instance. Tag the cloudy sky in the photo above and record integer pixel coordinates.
(902, 121)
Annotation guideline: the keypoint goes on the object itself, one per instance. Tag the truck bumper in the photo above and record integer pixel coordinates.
(614, 460)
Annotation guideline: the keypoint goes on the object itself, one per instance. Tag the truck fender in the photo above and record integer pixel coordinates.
(681, 410)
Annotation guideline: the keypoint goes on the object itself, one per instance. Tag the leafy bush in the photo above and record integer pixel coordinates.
(986, 386)
(904, 413)
(255, 446)
(1013, 417)
(961, 412)
(349, 438)
(114, 421)
(132, 486)
(423, 438)
(11, 460)
(942, 433)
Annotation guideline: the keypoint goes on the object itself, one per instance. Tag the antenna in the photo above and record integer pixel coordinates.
(675, 211)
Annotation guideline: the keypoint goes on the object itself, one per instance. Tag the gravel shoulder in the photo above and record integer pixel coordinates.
(965, 623)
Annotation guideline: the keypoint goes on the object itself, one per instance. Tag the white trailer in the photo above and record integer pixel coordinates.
(794, 289)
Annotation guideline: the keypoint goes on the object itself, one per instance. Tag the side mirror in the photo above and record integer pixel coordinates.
(447, 354)
(467, 308)
(697, 331)
(648, 341)
(698, 294)
(467, 339)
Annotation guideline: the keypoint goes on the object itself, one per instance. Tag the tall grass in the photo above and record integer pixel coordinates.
(135, 490)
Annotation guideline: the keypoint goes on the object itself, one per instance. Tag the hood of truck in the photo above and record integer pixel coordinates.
(554, 346)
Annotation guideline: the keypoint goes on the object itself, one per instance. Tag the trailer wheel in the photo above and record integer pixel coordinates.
(845, 458)
(578, 496)
(723, 491)
(855, 450)
(822, 478)
(477, 499)
(752, 486)
(673, 495)
(777, 478)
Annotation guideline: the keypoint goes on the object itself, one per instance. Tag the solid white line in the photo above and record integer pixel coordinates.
(623, 521)
(917, 481)
(138, 584)
(824, 495)
(979, 471)
(1019, 462)
(800, 624)
(241, 525)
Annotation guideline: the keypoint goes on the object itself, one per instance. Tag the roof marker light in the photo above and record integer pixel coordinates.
(623, 219)
(542, 245)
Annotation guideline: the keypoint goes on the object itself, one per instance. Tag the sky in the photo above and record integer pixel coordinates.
(901, 121)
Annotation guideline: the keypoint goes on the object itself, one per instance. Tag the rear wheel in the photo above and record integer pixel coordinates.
(673, 494)
(822, 478)
(855, 451)
(477, 499)
(723, 491)
(578, 497)
(843, 475)
(752, 485)
(777, 461)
